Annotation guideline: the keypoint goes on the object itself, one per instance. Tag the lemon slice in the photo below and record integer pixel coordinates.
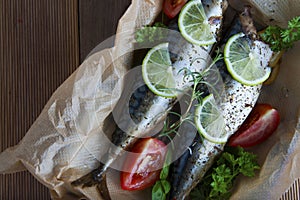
(157, 71)
(193, 24)
(247, 61)
(210, 122)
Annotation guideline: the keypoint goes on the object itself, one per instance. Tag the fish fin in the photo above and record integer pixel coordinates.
(93, 178)
(103, 189)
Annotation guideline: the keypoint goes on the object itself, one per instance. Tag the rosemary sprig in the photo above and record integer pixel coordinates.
(162, 186)
(198, 80)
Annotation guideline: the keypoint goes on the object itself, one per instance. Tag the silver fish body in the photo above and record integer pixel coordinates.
(153, 109)
(239, 102)
(133, 122)
(236, 105)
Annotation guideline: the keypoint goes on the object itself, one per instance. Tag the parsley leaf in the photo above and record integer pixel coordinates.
(282, 38)
(151, 33)
(162, 187)
(160, 190)
(218, 181)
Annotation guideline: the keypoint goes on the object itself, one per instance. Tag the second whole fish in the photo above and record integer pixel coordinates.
(238, 102)
(153, 109)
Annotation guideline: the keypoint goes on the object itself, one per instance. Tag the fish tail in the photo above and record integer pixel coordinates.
(93, 178)
(177, 170)
(103, 189)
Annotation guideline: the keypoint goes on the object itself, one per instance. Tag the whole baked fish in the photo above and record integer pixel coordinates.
(153, 109)
(238, 102)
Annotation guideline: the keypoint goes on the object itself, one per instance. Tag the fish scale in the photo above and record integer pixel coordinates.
(153, 109)
(137, 101)
(238, 102)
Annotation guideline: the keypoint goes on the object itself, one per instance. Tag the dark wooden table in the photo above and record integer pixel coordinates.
(41, 43)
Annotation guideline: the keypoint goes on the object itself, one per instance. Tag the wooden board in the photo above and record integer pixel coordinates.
(38, 51)
(98, 21)
(41, 43)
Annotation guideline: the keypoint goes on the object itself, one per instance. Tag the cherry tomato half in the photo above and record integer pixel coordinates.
(172, 7)
(142, 167)
(259, 125)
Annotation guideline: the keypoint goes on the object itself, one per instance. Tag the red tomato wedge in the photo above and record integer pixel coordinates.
(172, 7)
(142, 167)
(259, 125)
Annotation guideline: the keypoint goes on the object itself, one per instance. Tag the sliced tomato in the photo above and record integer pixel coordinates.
(172, 7)
(259, 125)
(143, 165)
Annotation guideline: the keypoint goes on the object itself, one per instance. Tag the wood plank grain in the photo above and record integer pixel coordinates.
(41, 43)
(98, 20)
(293, 193)
(38, 51)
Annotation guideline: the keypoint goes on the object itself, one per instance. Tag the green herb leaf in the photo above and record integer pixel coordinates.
(166, 186)
(218, 182)
(246, 164)
(282, 38)
(162, 187)
(151, 33)
(221, 180)
(158, 191)
(165, 171)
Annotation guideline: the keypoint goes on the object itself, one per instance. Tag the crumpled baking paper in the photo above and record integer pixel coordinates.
(270, 12)
(67, 139)
(279, 156)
